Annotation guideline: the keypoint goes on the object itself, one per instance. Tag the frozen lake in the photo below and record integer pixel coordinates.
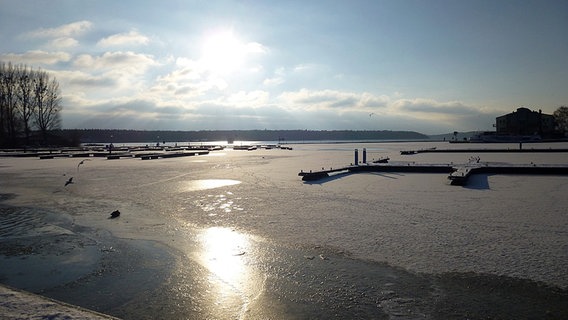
(237, 234)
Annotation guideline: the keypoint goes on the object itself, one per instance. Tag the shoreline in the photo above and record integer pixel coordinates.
(19, 304)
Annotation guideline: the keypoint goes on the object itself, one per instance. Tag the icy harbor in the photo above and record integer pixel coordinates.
(235, 234)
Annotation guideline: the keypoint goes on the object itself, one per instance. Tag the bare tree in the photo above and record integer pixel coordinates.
(47, 103)
(29, 100)
(561, 118)
(25, 105)
(8, 121)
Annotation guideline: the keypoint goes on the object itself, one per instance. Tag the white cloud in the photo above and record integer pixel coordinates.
(255, 47)
(63, 43)
(331, 99)
(307, 67)
(67, 30)
(277, 79)
(123, 39)
(135, 63)
(82, 81)
(249, 99)
(35, 57)
(428, 106)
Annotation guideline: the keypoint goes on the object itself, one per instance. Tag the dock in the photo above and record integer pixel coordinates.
(458, 174)
(165, 155)
(461, 175)
(519, 150)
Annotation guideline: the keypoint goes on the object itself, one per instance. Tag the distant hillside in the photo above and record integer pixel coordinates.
(134, 136)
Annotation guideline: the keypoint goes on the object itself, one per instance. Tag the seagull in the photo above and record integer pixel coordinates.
(114, 214)
(82, 162)
(370, 114)
(70, 181)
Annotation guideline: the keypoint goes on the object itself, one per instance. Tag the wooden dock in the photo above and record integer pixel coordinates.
(457, 174)
(462, 174)
(165, 155)
(519, 150)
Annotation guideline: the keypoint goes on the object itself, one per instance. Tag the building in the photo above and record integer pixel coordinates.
(525, 122)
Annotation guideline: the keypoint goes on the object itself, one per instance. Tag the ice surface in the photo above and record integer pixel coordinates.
(502, 225)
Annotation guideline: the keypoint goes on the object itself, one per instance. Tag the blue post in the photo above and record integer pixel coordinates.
(356, 157)
(364, 155)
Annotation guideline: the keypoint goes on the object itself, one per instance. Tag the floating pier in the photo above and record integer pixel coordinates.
(171, 155)
(458, 174)
(520, 150)
(461, 175)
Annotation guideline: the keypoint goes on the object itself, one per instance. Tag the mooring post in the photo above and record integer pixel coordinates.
(364, 155)
(356, 157)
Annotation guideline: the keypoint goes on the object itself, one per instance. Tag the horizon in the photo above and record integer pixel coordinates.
(309, 130)
(426, 67)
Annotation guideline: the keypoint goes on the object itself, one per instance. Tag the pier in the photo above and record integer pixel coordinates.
(458, 174)
(520, 150)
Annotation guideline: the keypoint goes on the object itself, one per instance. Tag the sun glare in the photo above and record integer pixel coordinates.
(223, 52)
(223, 250)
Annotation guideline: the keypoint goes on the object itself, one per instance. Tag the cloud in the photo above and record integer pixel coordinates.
(189, 79)
(255, 47)
(332, 99)
(307, 67)
(64, 31)
(63, 43)
(77, 80)
(124, 113)
(277, 79)
(450, 114)
(427, 106)
(36, 57)
(124, 39)
(250, 99)
(135, 63)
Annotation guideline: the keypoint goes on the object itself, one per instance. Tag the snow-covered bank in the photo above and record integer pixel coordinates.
(18, 304)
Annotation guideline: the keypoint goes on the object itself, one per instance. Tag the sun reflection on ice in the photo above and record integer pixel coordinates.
(223, 250)
(235, 285)
(196, 185)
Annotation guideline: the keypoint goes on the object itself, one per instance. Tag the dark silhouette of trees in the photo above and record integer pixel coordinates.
(30, 101)
(561, 118)
(47, 104)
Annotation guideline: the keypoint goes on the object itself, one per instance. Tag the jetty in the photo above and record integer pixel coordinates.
(114, 153)
(501, 150)
(458, 174)
(165, 155)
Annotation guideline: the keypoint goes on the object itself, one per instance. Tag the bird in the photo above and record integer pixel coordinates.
(68, 182)
(82, 162)
(370, 114)
(114, 214)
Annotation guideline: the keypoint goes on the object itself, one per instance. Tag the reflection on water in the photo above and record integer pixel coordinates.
(196, 185)
(222, 250)
(225, 253)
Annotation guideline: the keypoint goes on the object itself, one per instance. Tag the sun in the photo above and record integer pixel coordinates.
(223, 52)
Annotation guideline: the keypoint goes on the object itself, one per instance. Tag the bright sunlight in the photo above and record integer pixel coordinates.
(224, 52)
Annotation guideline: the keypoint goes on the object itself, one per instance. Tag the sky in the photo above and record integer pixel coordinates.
(433, 66)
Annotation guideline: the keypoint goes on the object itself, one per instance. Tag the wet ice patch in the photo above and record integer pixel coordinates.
(196, 185)
(220, 203)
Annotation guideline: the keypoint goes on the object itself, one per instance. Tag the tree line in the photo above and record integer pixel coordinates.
(30, 105)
